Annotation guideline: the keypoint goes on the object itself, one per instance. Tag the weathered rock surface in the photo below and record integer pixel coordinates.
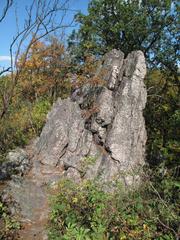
(112, 129)
(97, 134)
(17, 162)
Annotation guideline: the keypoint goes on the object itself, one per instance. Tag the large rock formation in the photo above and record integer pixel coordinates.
(97, 134)
(107, 139)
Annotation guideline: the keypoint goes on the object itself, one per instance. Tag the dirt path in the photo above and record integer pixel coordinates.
(32, 195)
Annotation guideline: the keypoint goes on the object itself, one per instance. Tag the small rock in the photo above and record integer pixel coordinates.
(17, 162)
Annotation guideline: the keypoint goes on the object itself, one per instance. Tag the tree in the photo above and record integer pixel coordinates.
(150, 26)
(41, 20)
(45, 71)
(162, 119)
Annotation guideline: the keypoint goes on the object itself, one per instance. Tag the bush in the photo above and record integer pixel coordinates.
(8, 224)
(85, 211)
(23, 122)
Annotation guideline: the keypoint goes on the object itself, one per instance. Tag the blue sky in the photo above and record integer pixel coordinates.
(8, 27)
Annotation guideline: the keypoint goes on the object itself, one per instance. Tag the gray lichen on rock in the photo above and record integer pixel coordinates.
(17, 162)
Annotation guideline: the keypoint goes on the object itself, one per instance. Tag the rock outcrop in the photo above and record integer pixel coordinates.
(99, 133)
(111, 130)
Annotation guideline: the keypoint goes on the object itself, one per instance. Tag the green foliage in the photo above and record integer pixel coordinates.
(23, 122)
(38, 114)
(79, 212)
(8, 224)
(86, 162)
(162, 119)
(85, 211)
(150, 26)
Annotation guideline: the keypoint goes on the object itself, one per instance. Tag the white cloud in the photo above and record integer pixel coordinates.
(5, 58)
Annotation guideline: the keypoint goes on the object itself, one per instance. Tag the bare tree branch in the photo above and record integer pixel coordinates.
(6, 8)
(41, 21)
(5, 70)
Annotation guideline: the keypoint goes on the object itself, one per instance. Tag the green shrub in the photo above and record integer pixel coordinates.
(85, 211)
(38, 114)
(86, 162)
(23, 122)
(8, 224)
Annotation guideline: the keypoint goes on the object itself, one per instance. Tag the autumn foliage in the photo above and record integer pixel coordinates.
(45, 71)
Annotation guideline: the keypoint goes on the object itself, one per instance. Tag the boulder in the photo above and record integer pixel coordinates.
(17, 162)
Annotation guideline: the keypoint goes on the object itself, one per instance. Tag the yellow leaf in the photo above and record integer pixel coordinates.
(145, 227)
(75, 200)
